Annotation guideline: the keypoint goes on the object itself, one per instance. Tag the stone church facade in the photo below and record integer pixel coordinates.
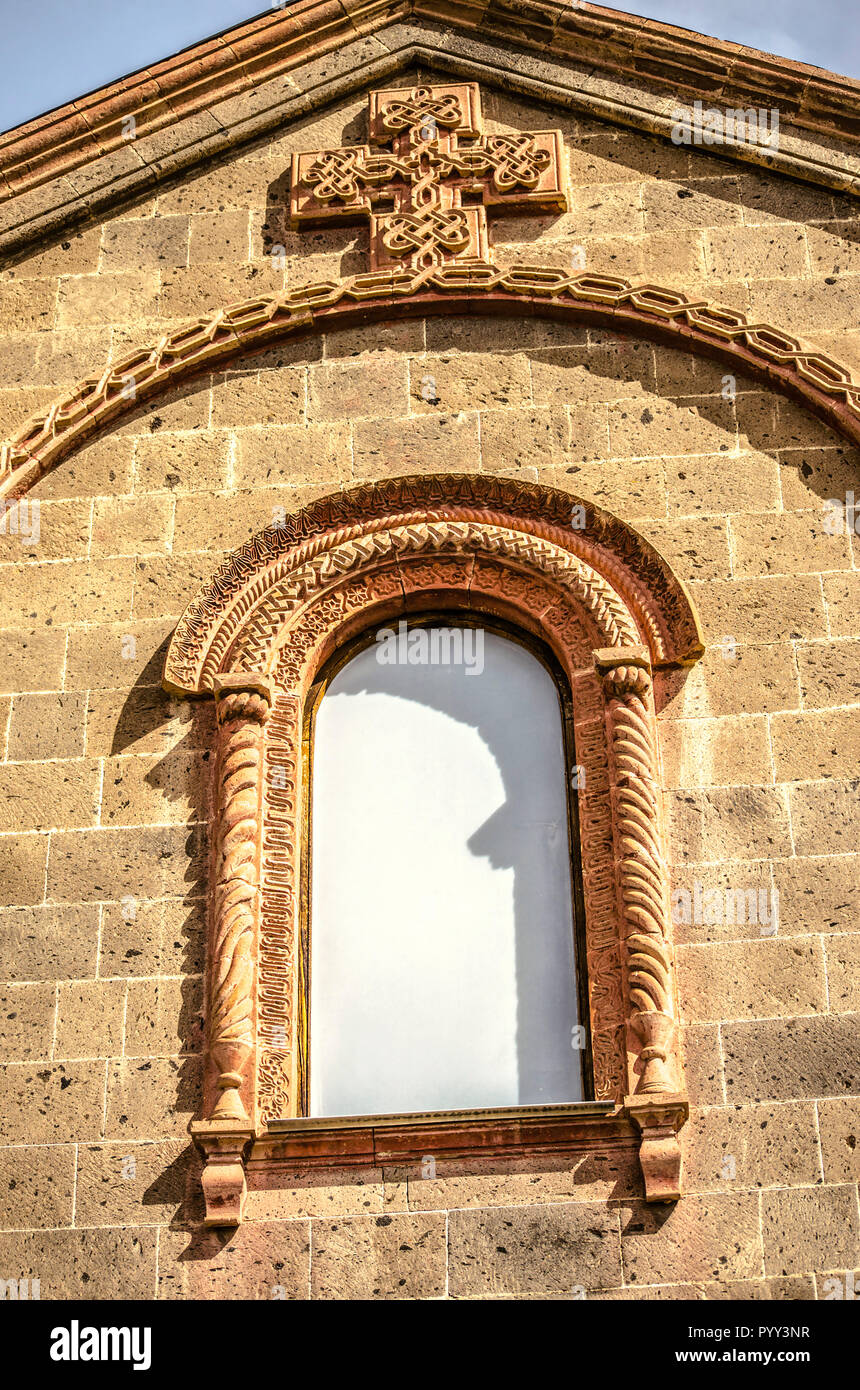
(359, 309)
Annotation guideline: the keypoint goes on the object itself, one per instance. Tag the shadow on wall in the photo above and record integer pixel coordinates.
(571, 1177)
(148, 721)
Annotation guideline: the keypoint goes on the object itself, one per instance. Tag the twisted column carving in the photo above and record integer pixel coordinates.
(656, 1106)
(276, 610)
(243, 704)
(242, 713)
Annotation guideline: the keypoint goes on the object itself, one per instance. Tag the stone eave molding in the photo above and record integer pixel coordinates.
(75, 162)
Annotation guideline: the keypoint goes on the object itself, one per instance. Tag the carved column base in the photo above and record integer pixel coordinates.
(656, 1033)
(659, 1119)
(223, 1144)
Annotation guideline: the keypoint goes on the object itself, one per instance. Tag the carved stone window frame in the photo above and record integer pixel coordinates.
(612, 613)
(539, 653)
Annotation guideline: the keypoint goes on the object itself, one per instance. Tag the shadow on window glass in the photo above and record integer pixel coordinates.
(441, 921)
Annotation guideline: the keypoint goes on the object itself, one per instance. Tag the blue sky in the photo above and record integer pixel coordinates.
(56, 50)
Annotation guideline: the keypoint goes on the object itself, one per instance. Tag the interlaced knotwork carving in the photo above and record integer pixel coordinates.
(275, 983)
(422, 105)
(611, 619)
(425, 176)
(341, 174)
(218, 337)
(422, 232)
(515, 161)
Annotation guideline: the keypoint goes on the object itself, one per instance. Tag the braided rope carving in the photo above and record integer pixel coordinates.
(239, 587)
(273, 613)
(215, 338)
(236, 896)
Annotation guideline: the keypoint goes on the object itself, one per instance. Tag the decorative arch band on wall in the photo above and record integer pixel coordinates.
(667, 316)
(610, 609)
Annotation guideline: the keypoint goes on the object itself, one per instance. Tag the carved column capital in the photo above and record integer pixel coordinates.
(624, 671)
(245, 695)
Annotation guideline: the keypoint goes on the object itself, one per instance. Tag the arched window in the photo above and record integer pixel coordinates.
(395, 849)
(441, 922)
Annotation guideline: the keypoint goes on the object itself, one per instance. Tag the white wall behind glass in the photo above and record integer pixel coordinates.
(442, 958)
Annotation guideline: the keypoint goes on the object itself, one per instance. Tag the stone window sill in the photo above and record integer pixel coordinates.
(451, 1133)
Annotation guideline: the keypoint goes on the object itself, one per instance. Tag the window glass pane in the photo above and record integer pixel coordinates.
(442, 947)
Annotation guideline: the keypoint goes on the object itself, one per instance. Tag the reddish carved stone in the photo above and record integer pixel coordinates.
(258, 635)
(425, 175)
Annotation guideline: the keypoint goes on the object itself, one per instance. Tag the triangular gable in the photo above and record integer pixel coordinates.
(123, 141)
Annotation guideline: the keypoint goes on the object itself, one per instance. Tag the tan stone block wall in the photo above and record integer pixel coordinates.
(105, 780)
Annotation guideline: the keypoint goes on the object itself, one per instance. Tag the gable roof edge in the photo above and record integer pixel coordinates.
(52, 187)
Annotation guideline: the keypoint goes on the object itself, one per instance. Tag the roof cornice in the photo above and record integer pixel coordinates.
(228, 90)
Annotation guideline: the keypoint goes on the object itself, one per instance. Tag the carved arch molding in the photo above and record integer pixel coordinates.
(669, 316)
(607, 605)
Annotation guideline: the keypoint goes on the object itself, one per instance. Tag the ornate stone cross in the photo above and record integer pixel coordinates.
(427, 197)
